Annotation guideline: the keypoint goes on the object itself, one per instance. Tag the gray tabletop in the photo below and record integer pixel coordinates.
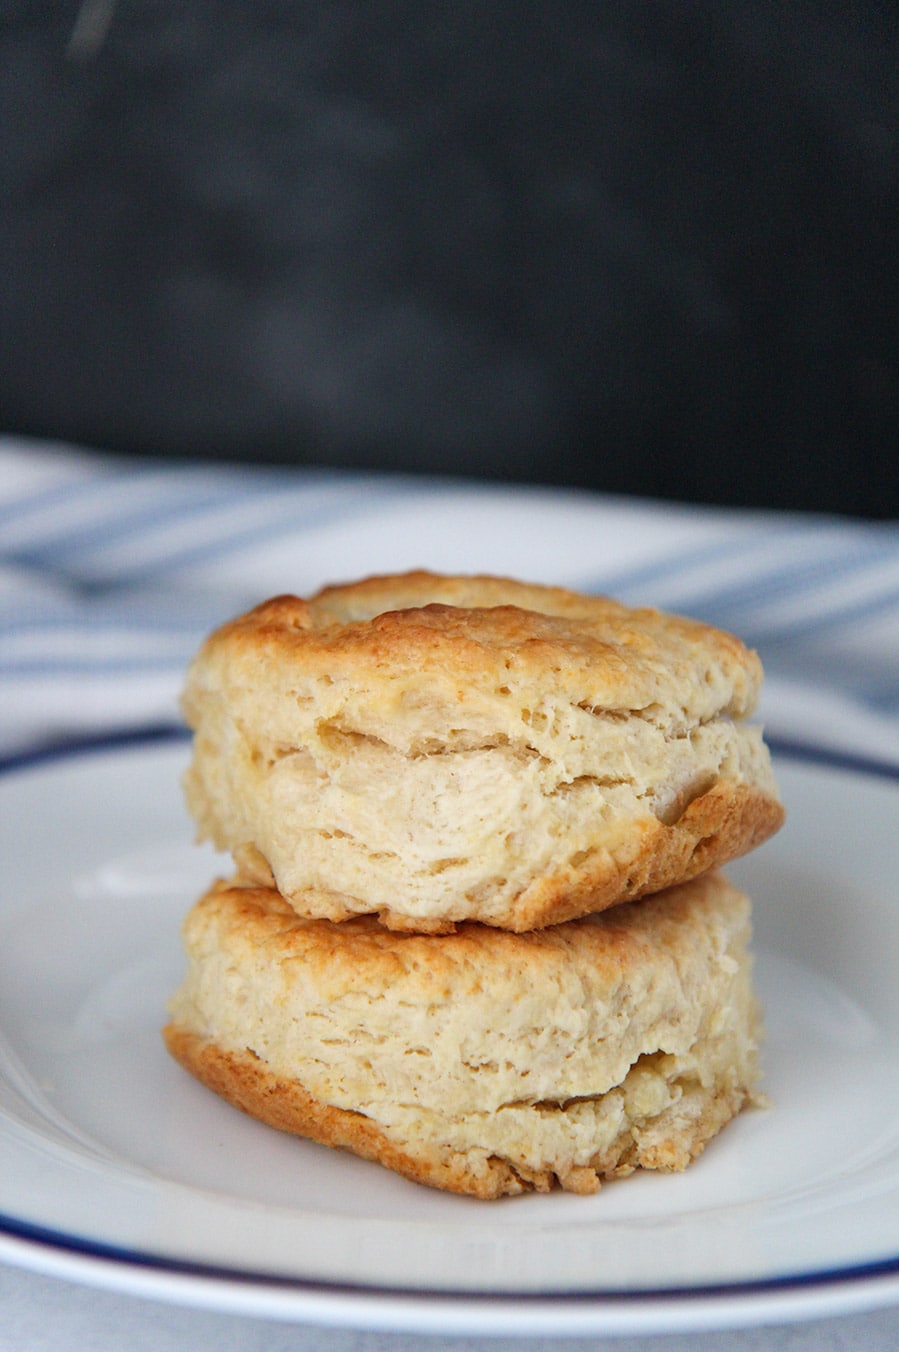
(44, 1314)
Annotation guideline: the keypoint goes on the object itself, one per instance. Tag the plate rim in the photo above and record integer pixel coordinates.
(788, 1297)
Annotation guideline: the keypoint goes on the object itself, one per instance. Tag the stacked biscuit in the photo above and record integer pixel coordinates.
(475, 931)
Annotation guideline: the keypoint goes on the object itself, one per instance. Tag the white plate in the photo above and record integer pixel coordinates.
(118, 1170)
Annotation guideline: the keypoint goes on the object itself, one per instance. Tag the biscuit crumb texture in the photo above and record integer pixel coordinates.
(440, 749)
(482, 1062)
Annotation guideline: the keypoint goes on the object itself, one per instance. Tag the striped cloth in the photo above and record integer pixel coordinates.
(112, 571)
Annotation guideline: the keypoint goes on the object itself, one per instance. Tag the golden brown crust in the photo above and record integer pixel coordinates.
(680, 931)
(437, 749)
(647, 856)
(719, 826)
(482, 1062)
(245, 1082)
(479, 630)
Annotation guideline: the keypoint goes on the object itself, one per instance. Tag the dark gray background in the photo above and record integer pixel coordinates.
(642, 247)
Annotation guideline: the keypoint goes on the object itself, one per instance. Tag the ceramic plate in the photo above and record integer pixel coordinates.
(118, 1170)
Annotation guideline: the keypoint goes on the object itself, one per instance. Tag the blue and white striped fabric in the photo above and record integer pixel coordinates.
(111, 572)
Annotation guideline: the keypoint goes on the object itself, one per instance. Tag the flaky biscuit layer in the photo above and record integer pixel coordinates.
(435, 749)
(483, 1062)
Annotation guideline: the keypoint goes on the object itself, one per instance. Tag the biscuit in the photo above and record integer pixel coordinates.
(482, 1062)
(439, 749)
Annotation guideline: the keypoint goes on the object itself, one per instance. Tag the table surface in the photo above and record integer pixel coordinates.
(43, 1314)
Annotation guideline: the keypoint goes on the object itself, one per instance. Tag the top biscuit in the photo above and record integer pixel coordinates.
(436, 749)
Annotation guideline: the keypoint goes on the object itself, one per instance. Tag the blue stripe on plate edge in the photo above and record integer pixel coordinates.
(80, 1247)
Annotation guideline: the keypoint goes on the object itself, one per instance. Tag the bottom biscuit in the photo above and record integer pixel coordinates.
(481, 1062)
